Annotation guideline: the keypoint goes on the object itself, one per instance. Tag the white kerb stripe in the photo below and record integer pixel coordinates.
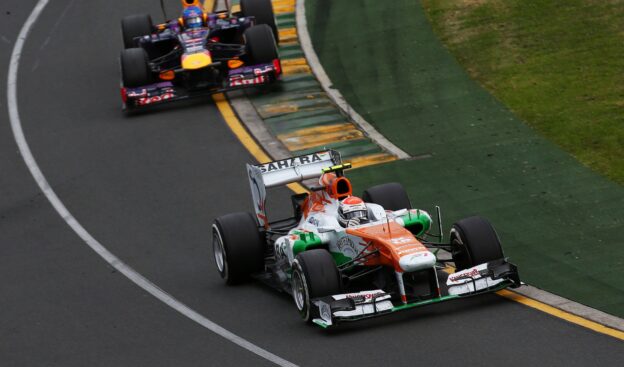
(126, 270)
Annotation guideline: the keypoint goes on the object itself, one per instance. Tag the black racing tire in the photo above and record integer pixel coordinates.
(237, 246)
(315, 275)
(134, 26)
(474, 241)
(135, 71)
(262, 10)
(260, 44)
(391, 196)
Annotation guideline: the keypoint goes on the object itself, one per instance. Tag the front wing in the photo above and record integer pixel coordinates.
(480, 279)
(158, 93)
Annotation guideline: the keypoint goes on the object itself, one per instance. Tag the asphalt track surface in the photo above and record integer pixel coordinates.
(148, 187)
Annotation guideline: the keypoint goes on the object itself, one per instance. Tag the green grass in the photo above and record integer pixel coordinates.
(557, 64)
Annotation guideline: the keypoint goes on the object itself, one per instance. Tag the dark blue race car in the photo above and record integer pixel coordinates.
(197, 54)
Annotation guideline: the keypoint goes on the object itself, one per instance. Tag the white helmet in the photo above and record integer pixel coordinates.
(352, 212)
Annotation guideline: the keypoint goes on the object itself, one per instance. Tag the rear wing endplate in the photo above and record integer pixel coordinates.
(285, 171)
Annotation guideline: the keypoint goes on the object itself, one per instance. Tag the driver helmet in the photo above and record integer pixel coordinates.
(193, 17)
(352, 211)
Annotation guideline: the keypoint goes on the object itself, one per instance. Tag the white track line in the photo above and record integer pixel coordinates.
(110, 258)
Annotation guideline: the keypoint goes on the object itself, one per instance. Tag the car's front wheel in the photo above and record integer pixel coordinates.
(134, 26)
(260, 44)
(262, 10)
(474, 241)
(135, 71)
(314, 275)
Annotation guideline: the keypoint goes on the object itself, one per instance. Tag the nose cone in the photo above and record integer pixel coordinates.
(417, 261)
(196, 61)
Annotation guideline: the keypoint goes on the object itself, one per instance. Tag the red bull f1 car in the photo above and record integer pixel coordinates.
(198, 53)
(346, 258)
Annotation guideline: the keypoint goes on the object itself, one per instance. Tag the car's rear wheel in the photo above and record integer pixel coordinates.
(474, 241)
(262, 10)
(261, 47)
(237, 246)
(134, 26)
(135, 71)
(315, 275)
(391, 196)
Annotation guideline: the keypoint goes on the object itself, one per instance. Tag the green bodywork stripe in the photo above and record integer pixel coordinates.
(417, 218)
(306, 241)
(340, 258)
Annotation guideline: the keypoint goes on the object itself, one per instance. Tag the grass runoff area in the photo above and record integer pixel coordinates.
(557, 64)
(561, 222)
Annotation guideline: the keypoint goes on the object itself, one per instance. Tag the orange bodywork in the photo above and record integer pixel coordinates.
(167, 75)
(336, 187)
(187, 3)
(392, 240)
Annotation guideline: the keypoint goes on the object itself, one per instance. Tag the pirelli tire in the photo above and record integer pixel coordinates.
(474, 241)
(262, 10)
(133, 26)
(391, 196)
(237, 246)
(135, 71)
(260, 44)
(314, 275)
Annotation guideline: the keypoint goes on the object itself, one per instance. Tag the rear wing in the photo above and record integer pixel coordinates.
(285, 171)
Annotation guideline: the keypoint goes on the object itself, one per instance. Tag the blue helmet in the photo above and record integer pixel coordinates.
(193, 17)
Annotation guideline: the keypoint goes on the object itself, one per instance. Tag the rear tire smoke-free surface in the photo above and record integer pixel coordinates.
(134, 26)
(315, 275)
(237, 246)
(262, 10)
(474, 241)
(260, 44)
(135, 70)
(391, 196)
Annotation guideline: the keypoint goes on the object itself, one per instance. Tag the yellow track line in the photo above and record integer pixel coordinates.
(247, 140)
(561, 314)
(288, 35)
(553, 311)
(261, 156)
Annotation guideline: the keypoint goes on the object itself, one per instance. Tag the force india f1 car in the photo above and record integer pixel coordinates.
(341, 264)
(198, 53)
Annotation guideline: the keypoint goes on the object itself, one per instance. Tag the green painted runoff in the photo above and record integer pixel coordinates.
(559, 221)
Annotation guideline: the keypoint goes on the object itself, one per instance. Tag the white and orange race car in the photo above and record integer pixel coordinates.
(345, 258)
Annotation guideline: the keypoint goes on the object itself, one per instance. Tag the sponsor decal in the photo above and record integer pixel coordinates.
(135, 94)
(289, 163)
(155, 99)
(471, 274)
(347, 247)
(313, 221)
(238, 82)
(280, 248)
(402, 241)
(263, 70)
(365, 296)
(325, 312)
(408, 251)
